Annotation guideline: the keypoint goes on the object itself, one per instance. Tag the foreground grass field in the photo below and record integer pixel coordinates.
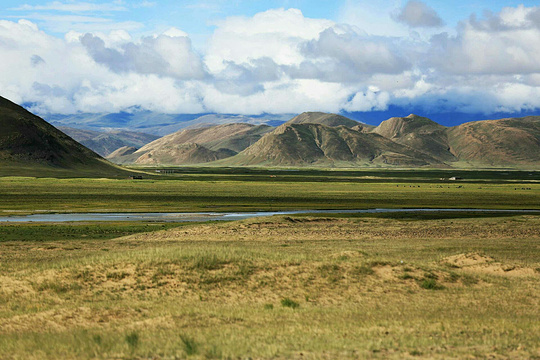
(283, 287)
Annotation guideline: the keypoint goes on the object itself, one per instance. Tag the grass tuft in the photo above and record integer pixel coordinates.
(213, 353)
(430, 284)
(132, 339)
(208, 262)
(191, 347)
(363, 270)
(286, 302)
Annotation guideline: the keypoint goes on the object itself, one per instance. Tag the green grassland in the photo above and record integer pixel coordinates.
(282, 287)
(434, 285)
(230, 191)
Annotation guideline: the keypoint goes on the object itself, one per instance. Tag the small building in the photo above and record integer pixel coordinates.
(136, 177)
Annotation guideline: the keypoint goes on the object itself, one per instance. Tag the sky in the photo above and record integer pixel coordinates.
(463, 58)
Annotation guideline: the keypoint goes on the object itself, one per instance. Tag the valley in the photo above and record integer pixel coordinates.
(452, 283)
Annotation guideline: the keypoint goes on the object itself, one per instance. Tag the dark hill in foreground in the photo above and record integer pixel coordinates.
(31, 146)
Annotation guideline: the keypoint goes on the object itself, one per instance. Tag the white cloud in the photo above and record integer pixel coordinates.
(353, 56)
(59, 23)
(368, 100)
(145, 4)
(150, 92)
(72, 7)
(418, 14)
(161, 55)
(279, 97)
(277, 61)
(374, 18)
(275, 34)
(506, 43)
(61, 77)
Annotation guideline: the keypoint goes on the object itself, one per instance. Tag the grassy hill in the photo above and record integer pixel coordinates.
(514, 141)
(491, 143)
(180, 154)
(419, 133)
(301, 144)
(31, 146)
(198, 145)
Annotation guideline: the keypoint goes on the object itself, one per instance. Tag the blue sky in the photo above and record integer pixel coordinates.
(198, 18)
(367, 58)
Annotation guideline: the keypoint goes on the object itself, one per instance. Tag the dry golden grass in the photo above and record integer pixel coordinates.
(281, 287)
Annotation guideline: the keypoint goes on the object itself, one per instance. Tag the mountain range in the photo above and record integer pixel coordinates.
(192, 146)
(156, 123)
(106, 142)
(309, 139)
(330, 140)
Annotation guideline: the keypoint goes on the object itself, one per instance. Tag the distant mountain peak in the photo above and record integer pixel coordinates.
(327, 119)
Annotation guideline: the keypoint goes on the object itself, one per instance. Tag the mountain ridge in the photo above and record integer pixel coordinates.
(320, 139)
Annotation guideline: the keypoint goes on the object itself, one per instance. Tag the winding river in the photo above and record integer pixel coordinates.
(215, 216)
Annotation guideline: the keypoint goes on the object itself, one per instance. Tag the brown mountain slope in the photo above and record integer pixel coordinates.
(181, 154)
(324, 119)
(123, 151)
(104, 143)
(29, 142)
(504, 142)
(215, 142)
(419, 133)
(321, 145)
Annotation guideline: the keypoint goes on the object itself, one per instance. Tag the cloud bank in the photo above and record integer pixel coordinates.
(279, 61)
(418, 14)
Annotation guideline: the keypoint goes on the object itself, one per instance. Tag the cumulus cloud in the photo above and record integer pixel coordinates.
(349, 56)
(504, 43)
(369, 100)
(61, 76)
(418, 14)
(277, 61)
(273, 34)
(162, 55)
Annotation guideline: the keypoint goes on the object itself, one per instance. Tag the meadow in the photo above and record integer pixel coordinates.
(280, 287)
(381, 286)
(193, 189)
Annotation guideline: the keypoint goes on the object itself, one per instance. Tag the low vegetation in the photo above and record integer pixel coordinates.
(231, 191)
(280, 287)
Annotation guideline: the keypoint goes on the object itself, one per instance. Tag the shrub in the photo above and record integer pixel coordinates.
(132, 340)
(286, 302)
(190, 345)
(363, 270)
(208, 262)
(430, 284)
(406, 276)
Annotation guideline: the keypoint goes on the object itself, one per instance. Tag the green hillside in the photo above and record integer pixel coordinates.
(30, 146)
